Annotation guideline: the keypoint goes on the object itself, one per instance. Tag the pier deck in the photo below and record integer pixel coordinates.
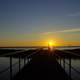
(42, 66)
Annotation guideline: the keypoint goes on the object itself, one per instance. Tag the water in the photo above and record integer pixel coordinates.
(5, 63)
(75, 63)
(67, 47)
(60, 48)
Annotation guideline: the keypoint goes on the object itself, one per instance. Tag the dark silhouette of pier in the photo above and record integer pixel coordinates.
(42, 66)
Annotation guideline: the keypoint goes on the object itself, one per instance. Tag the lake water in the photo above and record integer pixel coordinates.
(5, 63)
(60, 48)
(75, 63)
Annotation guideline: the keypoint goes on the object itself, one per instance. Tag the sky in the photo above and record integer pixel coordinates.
(34, 22)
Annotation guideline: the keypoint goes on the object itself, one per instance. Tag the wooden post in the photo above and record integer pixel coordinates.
(64, 63)
(24, 61)
(19, 63)
(70, 68)
(60, 60)
(10, 68)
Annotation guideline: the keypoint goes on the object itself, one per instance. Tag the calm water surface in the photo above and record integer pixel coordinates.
(75, 63)
(5, 63)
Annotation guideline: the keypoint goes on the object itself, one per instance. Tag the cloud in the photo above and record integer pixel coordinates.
(70, 30)
(62, 31)
(74, 14)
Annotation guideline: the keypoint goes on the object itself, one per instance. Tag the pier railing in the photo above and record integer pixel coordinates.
(62, 61)
(11, 65)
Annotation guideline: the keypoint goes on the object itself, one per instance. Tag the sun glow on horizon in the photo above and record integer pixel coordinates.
(51, 43)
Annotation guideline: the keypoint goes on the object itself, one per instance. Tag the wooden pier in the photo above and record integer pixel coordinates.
(42, 66)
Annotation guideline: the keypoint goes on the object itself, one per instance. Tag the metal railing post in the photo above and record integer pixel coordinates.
(19, 63)
(10, 68)
(24, 61)
(64, 63)
(70, 67)
(60, 60)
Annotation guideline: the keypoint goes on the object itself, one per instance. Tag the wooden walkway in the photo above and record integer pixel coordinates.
(42, 67)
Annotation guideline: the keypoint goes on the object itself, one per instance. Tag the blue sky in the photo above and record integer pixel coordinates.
(30, 19)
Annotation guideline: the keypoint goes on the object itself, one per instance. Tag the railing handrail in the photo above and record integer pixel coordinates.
(33, 53)
(11, 53)
(16, 62)
(70, 53)
(67, 62)
(73, 68)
